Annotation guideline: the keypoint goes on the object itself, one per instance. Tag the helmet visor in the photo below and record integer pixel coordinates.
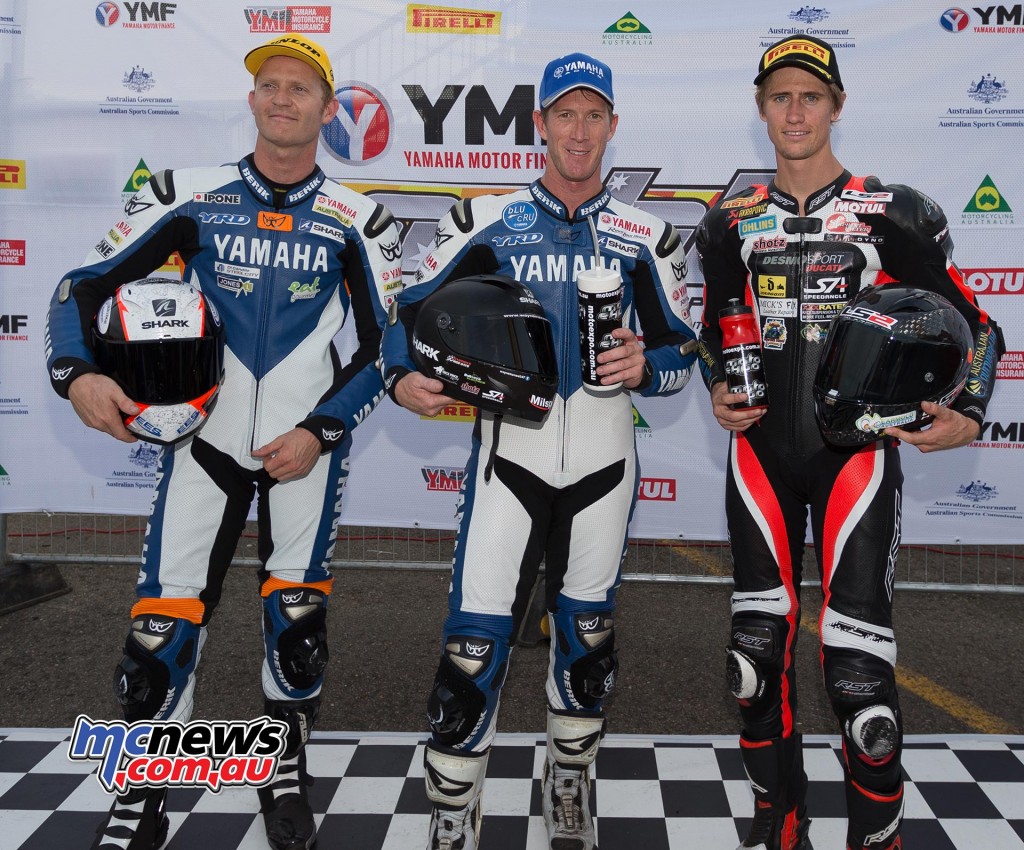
(165, 371)
(519, 342)
(866, 364)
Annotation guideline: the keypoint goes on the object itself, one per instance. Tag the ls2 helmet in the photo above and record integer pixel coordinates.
(890, 348)
(487, 339)
(163, 343)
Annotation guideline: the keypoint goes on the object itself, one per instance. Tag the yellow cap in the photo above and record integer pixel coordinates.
(296, 46)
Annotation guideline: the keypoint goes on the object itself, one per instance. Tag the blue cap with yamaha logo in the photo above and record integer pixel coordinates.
(575, 71)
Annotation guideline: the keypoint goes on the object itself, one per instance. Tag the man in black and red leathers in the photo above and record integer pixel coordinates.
(797, 250)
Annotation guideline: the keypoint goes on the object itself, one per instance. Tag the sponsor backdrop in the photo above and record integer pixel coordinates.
(436, 105)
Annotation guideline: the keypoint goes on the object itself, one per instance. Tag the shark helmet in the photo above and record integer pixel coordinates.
(162, 341)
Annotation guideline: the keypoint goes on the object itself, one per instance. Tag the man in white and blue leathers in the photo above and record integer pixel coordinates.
(285, 255)
(562, 490)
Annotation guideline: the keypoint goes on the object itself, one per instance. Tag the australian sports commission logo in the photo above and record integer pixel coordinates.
(163, 754)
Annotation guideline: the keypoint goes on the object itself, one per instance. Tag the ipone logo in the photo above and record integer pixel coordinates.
(362, 130)
(159, 753)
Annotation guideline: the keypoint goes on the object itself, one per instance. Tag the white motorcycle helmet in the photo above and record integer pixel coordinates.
(163, 343)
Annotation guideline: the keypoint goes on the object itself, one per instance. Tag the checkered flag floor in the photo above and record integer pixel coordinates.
(650, 792)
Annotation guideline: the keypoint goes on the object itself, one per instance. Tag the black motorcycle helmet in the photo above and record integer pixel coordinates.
(162, 341)
(487, 339)
(891, 347)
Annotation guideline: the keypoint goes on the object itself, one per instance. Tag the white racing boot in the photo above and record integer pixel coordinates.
(454, 783)
(565, 786)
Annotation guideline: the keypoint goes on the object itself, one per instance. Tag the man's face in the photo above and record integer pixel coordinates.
(577, 128)
(288, 103)
(799, 113)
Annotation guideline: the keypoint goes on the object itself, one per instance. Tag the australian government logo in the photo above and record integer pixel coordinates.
(627, 31)
(811, 20)
(993, 109)
(975, 499)
(139, 81)
(987, 207)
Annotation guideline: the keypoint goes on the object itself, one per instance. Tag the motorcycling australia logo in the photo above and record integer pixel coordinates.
(987, 207)
(627, 31)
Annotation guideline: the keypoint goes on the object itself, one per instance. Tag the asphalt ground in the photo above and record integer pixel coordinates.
(959, 665)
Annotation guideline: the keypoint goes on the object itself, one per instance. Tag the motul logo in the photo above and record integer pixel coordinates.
(658, 489)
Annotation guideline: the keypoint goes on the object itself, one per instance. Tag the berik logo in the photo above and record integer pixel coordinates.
(274, 221)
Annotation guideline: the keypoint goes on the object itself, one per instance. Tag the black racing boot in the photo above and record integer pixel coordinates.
(137, 821)
(287, 814)
(777, 778)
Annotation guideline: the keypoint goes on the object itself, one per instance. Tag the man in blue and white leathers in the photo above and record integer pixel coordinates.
(284, 255)
(562, 490)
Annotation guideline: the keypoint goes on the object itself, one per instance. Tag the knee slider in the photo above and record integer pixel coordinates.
(587, 641)
(756, 649)
(863, 694)
(470, 668)
(156, 672)
(874, 730)
(295, 635)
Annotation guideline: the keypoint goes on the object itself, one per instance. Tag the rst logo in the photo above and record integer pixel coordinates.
(443, 479)
(657, 489)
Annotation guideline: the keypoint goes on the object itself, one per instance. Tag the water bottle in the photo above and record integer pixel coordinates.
(741, 355)
(600, 299)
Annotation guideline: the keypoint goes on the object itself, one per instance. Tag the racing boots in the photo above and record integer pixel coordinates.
(137, 821)
(284, 804)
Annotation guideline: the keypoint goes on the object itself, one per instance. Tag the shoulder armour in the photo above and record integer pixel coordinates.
(162, 184)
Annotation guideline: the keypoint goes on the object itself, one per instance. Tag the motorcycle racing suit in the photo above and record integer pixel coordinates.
(283, 266)
(797, 273)
(562, 490)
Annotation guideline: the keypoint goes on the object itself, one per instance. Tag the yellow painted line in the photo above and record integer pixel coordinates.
(908, 680)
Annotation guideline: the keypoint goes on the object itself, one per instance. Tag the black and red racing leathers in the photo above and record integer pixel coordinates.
(797, 272)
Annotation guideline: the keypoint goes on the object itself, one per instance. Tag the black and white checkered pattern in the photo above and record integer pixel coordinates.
(658, 793)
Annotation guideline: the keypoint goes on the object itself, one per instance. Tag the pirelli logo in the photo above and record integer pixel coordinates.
(424, 18)
(12, 174)
(798, 46)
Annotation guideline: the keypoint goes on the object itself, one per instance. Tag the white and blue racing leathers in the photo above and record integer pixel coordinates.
(284, 266)
(562, 490)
